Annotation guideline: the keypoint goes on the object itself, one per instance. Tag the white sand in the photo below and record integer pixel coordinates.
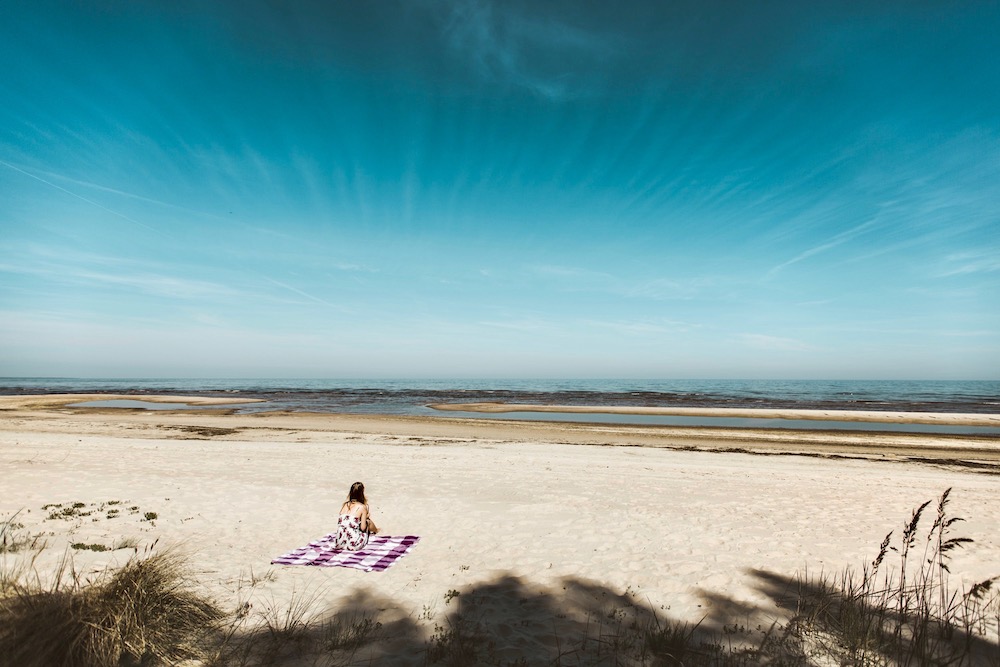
(678, 531)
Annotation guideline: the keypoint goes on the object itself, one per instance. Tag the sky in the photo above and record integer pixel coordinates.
(477, 189)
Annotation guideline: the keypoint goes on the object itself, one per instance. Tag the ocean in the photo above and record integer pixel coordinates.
(411, 397)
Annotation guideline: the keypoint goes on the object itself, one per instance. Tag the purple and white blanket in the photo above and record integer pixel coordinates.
(381, 552)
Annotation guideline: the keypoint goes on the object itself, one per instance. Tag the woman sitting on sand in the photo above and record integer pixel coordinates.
(354, 525)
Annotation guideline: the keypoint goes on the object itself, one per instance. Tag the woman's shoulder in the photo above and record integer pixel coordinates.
(353, 508)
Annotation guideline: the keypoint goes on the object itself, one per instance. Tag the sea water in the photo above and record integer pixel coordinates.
(412, 397)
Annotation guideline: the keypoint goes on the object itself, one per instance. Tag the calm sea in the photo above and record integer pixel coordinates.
(411, 397)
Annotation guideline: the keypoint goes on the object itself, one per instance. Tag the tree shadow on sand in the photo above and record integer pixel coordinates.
(505, 621)
(907, 614)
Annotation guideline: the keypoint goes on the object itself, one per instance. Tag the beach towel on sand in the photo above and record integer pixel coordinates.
(380, 552)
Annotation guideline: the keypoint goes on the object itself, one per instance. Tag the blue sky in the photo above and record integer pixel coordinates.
(445, 188)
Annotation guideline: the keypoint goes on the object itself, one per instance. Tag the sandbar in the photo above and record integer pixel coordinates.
(872, 416)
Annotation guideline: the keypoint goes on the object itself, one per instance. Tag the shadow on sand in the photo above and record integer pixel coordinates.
(509, 621)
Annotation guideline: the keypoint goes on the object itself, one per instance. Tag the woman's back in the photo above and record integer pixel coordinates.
(352, 526)
(353, 508)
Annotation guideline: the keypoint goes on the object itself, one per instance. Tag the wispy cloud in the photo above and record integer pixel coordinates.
(114, 191)
(985, 333)
(522, 325)
(655, 289)
(642, 327)
(66, 266)
(353, 268)
(296, 290)
(122, 345)
(837, 240)
(776, 343)
(573, 272)
(82, 198)
(509, 46)
(578, 326)
(159, 285)
(662, 289)
(148, 283)
(964, 263)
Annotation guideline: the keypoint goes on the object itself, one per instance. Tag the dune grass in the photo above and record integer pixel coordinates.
(145, 612)
(900, 609)
(911, 614)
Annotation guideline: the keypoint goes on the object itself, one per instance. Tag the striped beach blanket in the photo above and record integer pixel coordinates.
(381, 552)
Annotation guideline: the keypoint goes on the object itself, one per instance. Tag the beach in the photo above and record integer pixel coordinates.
(538, 529)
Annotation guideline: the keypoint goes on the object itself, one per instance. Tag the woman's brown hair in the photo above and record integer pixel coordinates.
(357, 493)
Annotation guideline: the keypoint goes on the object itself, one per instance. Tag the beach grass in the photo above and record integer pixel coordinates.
(910, 614)
(145, 612)
(14, 538)
(899, 609)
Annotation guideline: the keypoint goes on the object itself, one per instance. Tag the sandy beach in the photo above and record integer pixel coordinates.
(534, 527)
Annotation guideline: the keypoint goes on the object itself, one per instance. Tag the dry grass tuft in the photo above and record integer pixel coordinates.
(13, 537)
(145, 612)
(912, 614)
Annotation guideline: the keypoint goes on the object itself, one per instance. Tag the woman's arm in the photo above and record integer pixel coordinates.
(367, 523)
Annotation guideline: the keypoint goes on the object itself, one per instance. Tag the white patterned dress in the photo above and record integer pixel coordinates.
(349, 534)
